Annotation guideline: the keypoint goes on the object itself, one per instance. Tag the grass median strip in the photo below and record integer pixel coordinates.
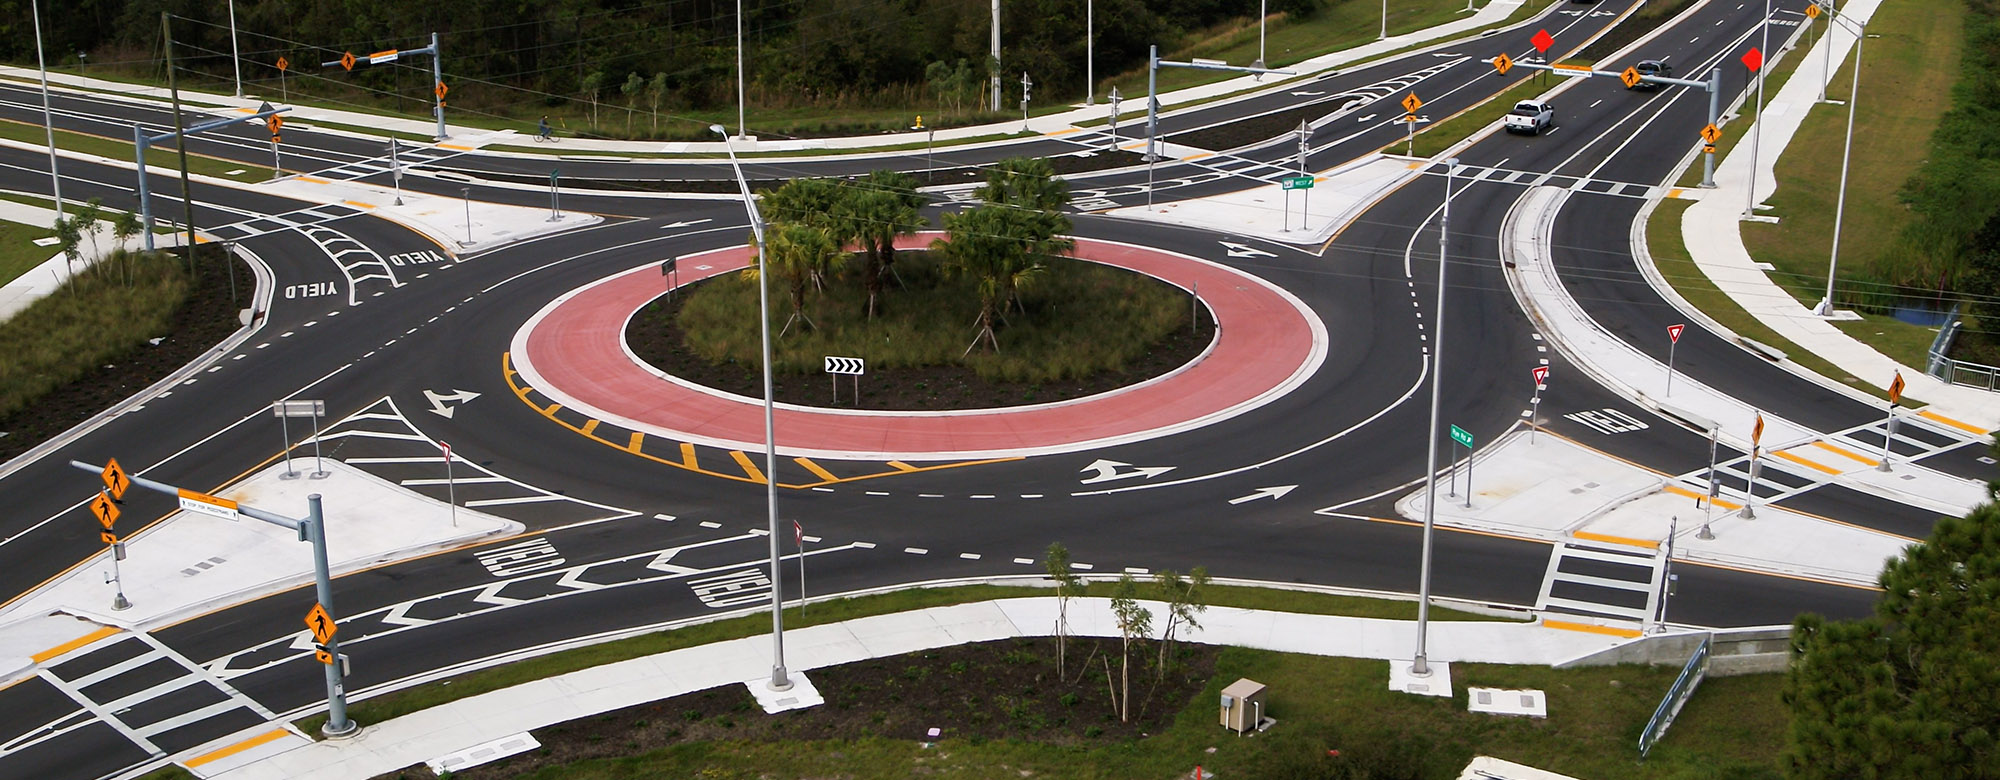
(1443, 135)
(393, 705)
(161, 157)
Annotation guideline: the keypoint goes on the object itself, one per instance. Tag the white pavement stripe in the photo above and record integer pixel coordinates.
(515, 500)
(457, 480)
(98, 710)
(183, 719)
(154, 692)
(1605, 582)
(1635, 558)
(1635, 613)
(116, 669)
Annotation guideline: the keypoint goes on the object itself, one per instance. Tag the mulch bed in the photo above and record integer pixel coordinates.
(204, 320)
(988, 691)
(656, 337)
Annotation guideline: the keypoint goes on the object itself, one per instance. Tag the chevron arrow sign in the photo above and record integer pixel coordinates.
(845, 365)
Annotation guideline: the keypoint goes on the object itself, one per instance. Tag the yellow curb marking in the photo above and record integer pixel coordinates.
(1064, 132)
(63, 649)
(1681, 491)
(1588, 628)
(1845, 452)
(269, 736)
(1811, 464)
(312, 179)
(1951, 422)
(1197, 157)
(901, 466)
(588, 427)
(637, 440)
(688, 457)
(359, 204)
(1624, 540)
(456, 146)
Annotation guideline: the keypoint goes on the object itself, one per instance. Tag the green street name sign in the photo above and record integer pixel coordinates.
(1459, 435)
(1298, 182)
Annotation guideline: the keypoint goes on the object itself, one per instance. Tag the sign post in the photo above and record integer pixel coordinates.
(1889, 427)
(555, 197)
(450, 485)
(1461, 438)
(799, 539)
(1673, 340)
(1756, 457)
(1410, 105)
(852, 366)
(1535, 404)
(105, 508)
(284, 410)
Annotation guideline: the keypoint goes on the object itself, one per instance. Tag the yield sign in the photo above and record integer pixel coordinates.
(1674, 333)
(1541, 374)
(1542, 41)
(1753, 59)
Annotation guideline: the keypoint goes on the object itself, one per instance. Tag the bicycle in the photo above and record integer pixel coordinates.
(547, 136)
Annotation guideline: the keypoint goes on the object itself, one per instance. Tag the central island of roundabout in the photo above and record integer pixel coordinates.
(1267, 342)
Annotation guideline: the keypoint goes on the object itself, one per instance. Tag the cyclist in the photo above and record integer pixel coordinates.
(544, 133)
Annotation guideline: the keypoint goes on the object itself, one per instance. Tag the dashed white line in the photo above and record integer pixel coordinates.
(1025, 561)
(1031, 495)
(1084, 566)
(238, 357)
(310, 323)
(930, 495)
(814, 539)
(263, 345)
(916, 551)
(969, 556)
(668, 518)
(371, 353)
(877, 493)
(285, 335)
(823, 490)
(213, 369)
(982, 496)
(710, 524)
(865, 545)
(1134, 570)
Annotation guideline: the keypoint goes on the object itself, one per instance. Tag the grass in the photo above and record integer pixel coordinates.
(1080, 318)
(108, 309)
(116, 149)
(1903, 95)
(1670, 256)
(168, 772)
(18, 252)
(1442, 135)
(1735, 132)
(397, 704)
(1731, 728)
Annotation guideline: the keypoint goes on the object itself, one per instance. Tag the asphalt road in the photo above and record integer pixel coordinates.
(1344, 436)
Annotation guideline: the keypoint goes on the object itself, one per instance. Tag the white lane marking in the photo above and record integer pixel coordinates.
(916, 551)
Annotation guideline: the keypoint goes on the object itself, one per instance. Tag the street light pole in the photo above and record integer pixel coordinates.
(1090, 52)
(780, 681)
(1825, 307)
(1421, 666)
(467, 193)
(1385, 19)
(1263, 15)
(48, 119)
(742, 129)
(235, 54)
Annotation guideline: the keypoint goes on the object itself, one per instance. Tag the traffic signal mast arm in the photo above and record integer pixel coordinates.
(1631, 77)
(162, 487)
(1579, 70)
(140, 141)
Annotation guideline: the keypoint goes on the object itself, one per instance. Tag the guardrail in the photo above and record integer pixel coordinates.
(1958, 372)
(1677, 695)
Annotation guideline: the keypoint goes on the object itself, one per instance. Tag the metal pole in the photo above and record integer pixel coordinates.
(1263, 15)
(1888, 433)
(555, 199)
(742, 125)
(145, 191)
(780, 681)
(337, 724)
(994, 66)
(285, 430)
(49, 122)
(1090, 52)
(235, 53)
(1714, 487)
(450, 487)
(118, 600)
(1749, 483)
(1420, 666)
(437, 80)
(1385, 19)
(1670, 366)
(1114, 119)
(1826, 70)
(277, 163)
(1666, 574)
(180, 140)
(1825, 308)
(1152, 111)
(1305, 198)
(1757, 117)
(930, 161)
(802, 554)
(319, 466)
(467, 193)
(1714, 115)
(395, 171)
(1468, 477)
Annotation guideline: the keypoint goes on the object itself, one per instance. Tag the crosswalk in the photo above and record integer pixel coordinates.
(1602, 583)
(1570, 182)
(158, 699)
(1792, 469)
(407, 157)
(359, 263)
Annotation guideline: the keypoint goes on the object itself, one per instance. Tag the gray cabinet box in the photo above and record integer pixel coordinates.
(1242, 705)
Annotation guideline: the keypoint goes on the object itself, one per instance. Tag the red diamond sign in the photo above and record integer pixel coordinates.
(1753, 59)
(1542, 41)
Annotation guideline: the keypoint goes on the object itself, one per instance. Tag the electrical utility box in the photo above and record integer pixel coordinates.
(1242, 705)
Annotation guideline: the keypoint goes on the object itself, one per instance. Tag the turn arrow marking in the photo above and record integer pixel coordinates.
(1269, 492)
(1239, 250)
(672, 225)
(438, 400)
(1107, 470)
(1306, 93)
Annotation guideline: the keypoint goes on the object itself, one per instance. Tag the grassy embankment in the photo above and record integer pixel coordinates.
(108, 309)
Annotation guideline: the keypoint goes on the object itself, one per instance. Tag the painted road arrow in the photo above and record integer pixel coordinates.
(1239, 250)
(1269, 492)
(672, 225)
(1107, 470)
(438, 400)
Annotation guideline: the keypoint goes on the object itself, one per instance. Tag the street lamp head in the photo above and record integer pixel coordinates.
(717, 129)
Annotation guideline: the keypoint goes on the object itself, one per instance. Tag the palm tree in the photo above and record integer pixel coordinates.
(820, 203)
(884, 205)
(798, 254)
(999, 247)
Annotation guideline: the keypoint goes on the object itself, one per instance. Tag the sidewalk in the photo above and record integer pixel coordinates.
(1494, 12)
(1713, 233)
(469, 723)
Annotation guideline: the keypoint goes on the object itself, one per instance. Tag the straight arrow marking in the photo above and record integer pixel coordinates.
(1269, 492)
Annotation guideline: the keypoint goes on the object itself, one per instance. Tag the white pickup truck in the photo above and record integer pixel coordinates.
(1531, 117)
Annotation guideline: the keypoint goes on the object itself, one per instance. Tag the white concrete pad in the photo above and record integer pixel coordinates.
(1506, 701)
(1488, 768)
(1404, 679)
(484, 753)
(1312, 216)
(799, 696)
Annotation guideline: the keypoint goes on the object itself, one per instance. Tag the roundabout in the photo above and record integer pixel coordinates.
(1267, 343)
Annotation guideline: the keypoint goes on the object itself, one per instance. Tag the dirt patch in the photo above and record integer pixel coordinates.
(988, 691)
(656, 338)
(201, 322)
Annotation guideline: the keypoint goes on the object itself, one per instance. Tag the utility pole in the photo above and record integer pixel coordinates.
(180, 143)
(994, 66)
(1090, 52)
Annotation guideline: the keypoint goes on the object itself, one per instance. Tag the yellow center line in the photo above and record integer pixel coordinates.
(1564, 625)
(1622, 540)
(749, 468)
(1197, 157)
(816, 469)
(267, 737)
(1811, 464)
(63, 649)
(1847, 453)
